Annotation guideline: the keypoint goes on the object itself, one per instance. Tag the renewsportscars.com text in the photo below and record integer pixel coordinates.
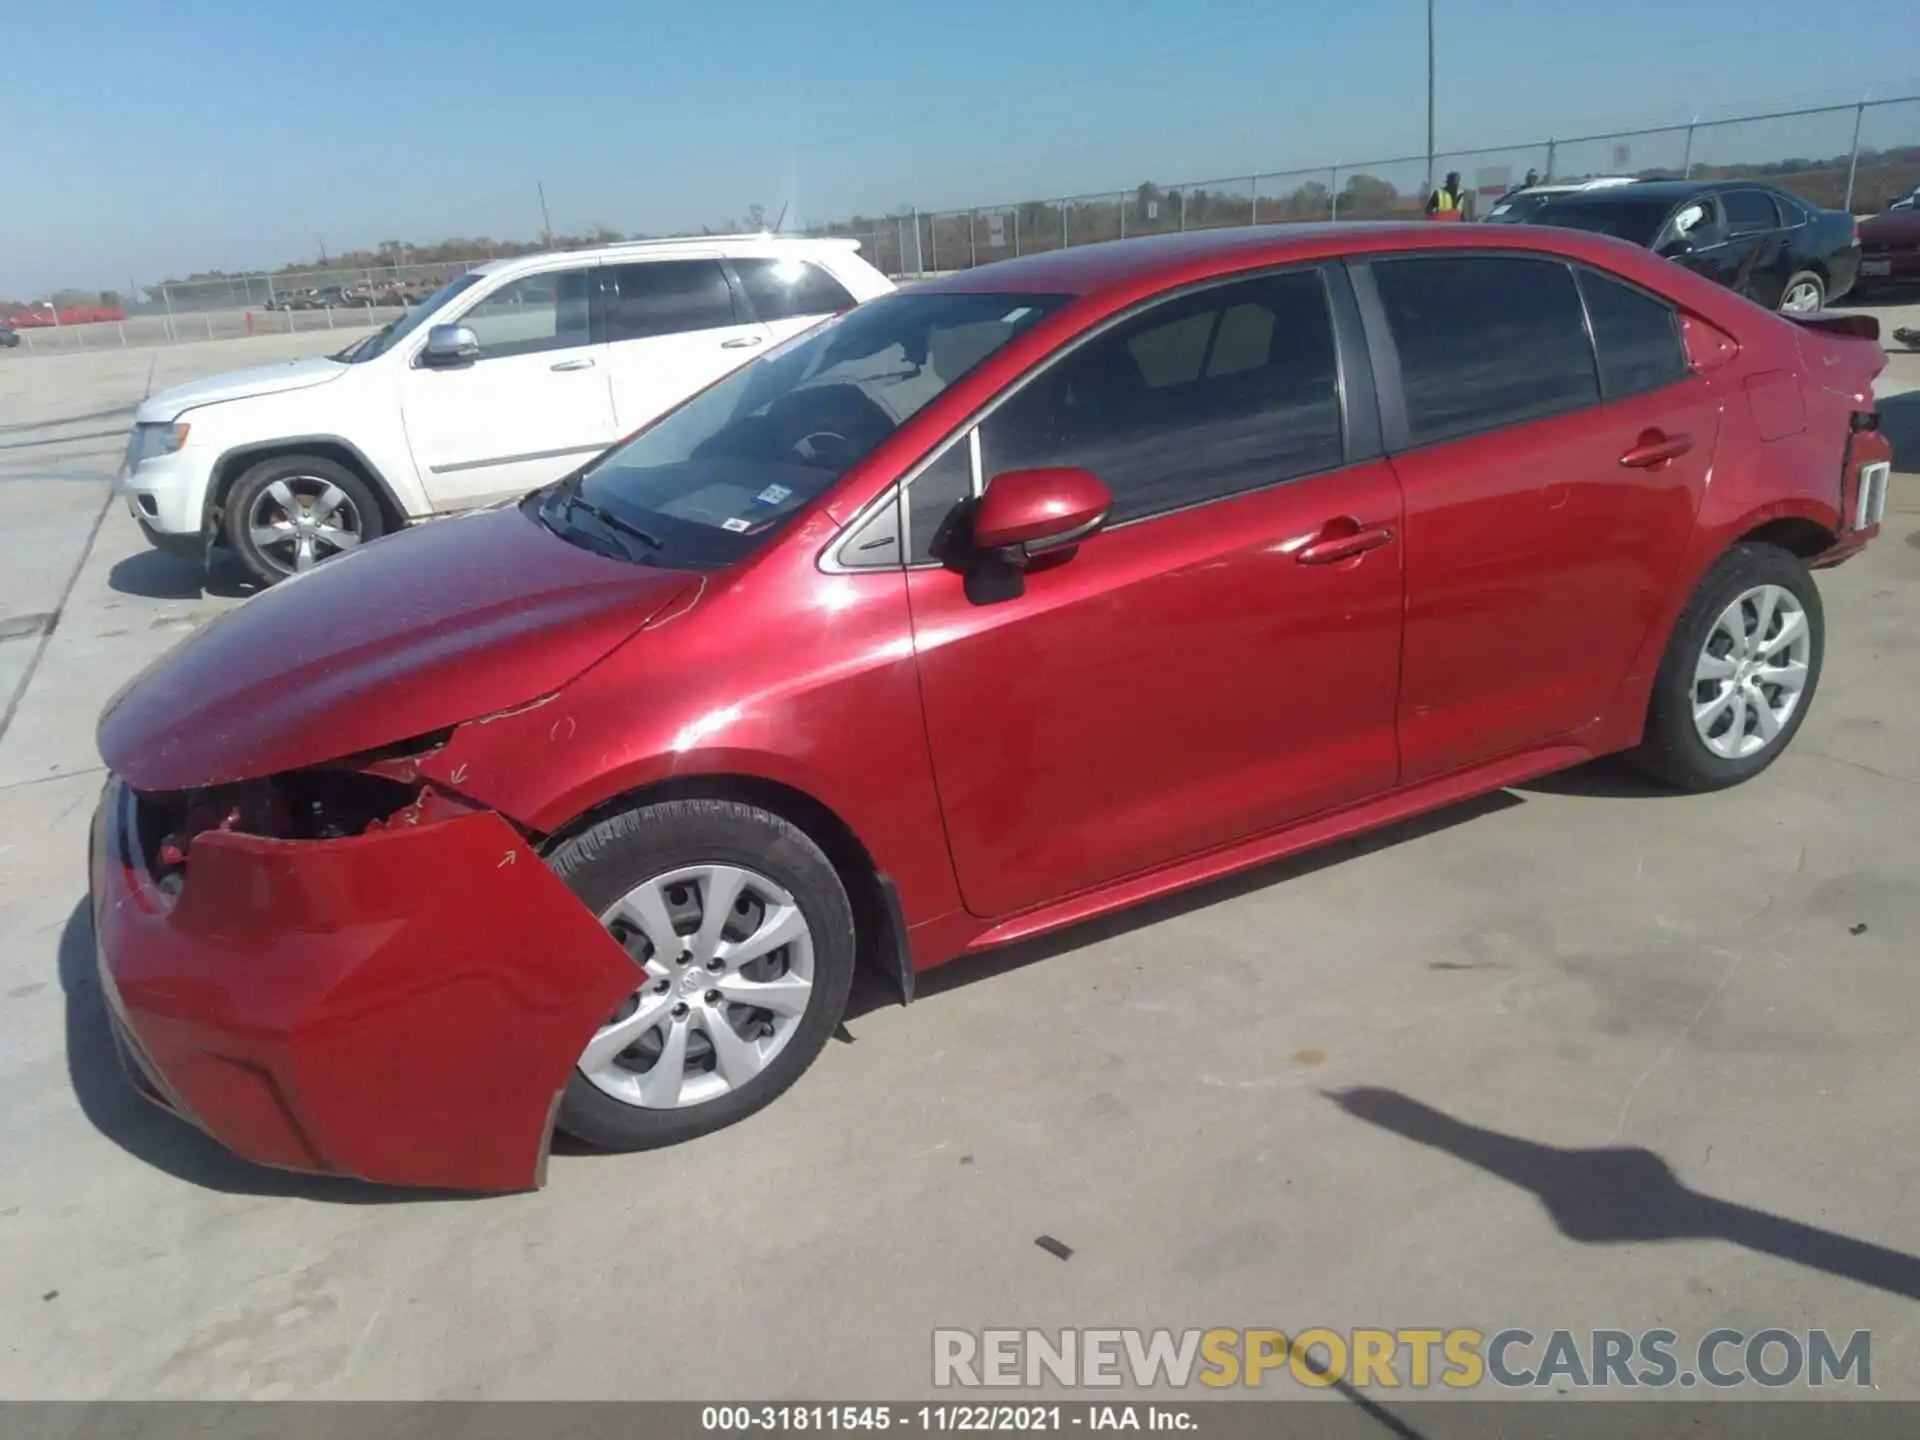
(1458, 1359)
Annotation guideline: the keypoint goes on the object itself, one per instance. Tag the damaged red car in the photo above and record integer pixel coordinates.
(987, 607)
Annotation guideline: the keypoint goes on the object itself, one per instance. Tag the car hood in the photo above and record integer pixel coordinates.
(238, 385)
(428, 628)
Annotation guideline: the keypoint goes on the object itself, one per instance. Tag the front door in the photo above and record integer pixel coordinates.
(672, 329)
(530, 408)
(1193, 674)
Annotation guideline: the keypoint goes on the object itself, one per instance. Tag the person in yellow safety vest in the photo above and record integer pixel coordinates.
(1446, 203)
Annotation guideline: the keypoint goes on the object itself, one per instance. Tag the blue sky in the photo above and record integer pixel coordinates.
(142, 140)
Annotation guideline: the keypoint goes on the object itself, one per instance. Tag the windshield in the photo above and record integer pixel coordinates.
(394, 331)
(1637, 220)
(713, 479)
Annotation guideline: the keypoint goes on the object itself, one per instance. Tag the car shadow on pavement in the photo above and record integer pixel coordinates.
(1608, 778)
(873, 992)
(155, 575)
(1624, 1194)
(107, 1098)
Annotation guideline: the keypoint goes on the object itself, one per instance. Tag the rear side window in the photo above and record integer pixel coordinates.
(780, 289)
(1749, 212)
(665, 297)
(1485, 341)
(1638, 337)
(1215, 393)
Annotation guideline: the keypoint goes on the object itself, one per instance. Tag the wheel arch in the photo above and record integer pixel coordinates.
(880, 930)
(236, 461)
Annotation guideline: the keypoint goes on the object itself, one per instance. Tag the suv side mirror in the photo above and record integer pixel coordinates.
(1028, 513)
(450, 345)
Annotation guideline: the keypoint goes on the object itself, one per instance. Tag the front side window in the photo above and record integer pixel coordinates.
(1485, 341)
(713, 479)
(1749, 212)
(1637, 336)
(532, 314)
(665, 297)
(782, 289)
(1210, 394)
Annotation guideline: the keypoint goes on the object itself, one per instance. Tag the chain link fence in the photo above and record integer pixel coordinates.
(1860, 157)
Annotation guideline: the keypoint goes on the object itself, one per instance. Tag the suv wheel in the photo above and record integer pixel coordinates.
(289, 513)
(742, 942)
(1739, 672)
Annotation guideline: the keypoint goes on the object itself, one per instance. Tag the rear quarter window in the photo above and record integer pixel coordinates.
(780, 289)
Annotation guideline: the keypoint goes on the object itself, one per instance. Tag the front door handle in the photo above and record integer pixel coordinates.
(1656, 447)
(740, 342)
(1342, 540)
(572, 365)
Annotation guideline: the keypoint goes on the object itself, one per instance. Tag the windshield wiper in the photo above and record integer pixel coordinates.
(571, 499)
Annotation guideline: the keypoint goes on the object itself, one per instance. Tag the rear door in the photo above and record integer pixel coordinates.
(529, 408)
(788, 295)
(1190, 675)
(1539, 538)
(672, 328)
(1756, 229)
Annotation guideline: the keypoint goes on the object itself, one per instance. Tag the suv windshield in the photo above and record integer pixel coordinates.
(710, 481)
(394, 331)
(1627, 217)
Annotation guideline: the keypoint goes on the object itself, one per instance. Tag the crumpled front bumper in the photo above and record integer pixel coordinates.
(403, 1006)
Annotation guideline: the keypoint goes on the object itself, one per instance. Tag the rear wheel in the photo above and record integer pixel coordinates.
(1739, 672)
(290, 513)
(1805, 292)
(742, 941)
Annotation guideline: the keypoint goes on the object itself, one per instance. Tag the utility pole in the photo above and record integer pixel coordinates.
(1429, 100)
(546, 221)
(323, 248)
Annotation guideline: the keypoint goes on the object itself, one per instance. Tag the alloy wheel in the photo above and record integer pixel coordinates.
(727, 959)
(1801, 299)
(1751, 672)
(300, 520)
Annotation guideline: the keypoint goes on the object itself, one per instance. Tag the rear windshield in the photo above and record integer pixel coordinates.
(713, 479)
(1516, 208)
(1638, 220)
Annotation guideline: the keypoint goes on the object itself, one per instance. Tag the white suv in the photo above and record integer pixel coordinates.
(505, 380)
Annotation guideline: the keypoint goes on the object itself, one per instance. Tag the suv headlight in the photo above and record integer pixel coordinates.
(152, 440)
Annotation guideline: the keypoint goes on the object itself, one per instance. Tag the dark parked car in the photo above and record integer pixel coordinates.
(985, 608)
(1762, 242)
(1889, 250)
(9, 337)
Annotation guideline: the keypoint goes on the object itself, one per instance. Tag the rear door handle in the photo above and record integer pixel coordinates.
(740, 342)
(1655, 447)
(1343, 545)
(572, 365)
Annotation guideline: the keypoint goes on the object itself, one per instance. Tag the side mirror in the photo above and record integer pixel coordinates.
(1028, 513)
(450, 345)
(1677, 247)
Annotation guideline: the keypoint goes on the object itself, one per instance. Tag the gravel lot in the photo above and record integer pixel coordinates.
(1576, 1055)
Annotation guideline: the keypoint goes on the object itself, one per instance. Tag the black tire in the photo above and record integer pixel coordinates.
(264, 565)
(602, 863)
(1804, 277)
(1671, 749)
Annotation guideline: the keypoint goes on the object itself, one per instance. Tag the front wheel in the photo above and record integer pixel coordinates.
(291, 512)
(742, 943)
(1739, 672)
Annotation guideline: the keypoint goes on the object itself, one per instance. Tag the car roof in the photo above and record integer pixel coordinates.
(1194, 254)
(676, 246)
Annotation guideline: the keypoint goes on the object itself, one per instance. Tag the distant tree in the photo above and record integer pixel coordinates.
(756, 217)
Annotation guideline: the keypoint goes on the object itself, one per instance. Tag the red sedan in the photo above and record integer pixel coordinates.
(985, 608)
